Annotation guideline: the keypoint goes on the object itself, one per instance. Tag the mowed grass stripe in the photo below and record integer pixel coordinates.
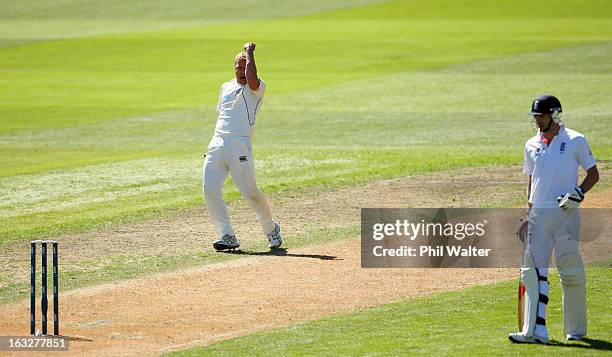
(469, 322)
(475, 9)
(23, 22)
(166, 70)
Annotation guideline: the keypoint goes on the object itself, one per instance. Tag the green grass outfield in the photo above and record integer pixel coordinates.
(468, 322)
(106, 107)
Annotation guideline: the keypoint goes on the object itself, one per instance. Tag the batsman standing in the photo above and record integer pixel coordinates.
(230, 150)
(552, 158)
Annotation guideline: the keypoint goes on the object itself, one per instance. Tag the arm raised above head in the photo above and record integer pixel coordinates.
(251, 69)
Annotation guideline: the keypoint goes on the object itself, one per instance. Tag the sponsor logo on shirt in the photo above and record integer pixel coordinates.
(538, 151)
(235, 93)
(242, 158)
(562, 149)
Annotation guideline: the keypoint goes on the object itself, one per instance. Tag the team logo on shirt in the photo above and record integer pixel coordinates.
(538, 151)
(229, 95)
(562, 149)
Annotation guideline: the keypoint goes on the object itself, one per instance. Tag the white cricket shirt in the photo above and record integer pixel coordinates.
(554, 168)
(237, 108)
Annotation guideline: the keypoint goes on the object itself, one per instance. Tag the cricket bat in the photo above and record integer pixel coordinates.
(521, 304)
(521, 233)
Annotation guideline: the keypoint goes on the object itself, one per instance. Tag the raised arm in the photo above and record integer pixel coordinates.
(251, 69)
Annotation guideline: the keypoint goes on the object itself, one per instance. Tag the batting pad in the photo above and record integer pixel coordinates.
(573, 279)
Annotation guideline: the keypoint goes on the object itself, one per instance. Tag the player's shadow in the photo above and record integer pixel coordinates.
(282, 252)
(587, 343)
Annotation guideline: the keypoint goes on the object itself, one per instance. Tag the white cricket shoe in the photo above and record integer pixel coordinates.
(518, 337)
(226, 242)
(572, 337)
(274, 238)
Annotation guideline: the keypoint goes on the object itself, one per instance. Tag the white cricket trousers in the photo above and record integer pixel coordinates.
(232, 154)
(550, 227)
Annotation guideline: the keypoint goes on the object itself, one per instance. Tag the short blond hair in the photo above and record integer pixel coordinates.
(239, 56)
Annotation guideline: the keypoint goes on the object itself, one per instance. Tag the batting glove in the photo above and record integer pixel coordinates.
(571, 200)
(522, 227)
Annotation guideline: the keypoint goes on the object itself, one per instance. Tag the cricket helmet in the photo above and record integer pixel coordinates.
(547, 104)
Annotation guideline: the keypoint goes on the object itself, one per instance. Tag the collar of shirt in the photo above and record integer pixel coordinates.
(235, 81)
(562, 134)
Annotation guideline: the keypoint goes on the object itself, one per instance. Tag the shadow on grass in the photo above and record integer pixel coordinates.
(587, 343)
(282, 252)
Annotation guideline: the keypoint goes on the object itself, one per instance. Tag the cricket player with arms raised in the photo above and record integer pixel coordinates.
(230, 150)
(552, 158)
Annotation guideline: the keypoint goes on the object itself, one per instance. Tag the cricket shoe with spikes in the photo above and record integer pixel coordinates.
(274, 238)
(518, 337)
(226, 242)
(572, 337)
